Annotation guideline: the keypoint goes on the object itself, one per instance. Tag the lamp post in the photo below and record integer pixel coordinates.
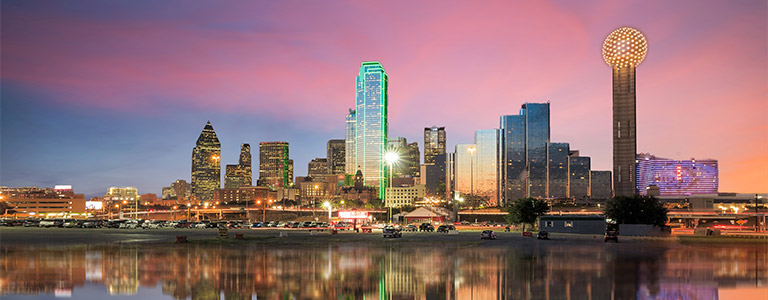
(390, 157)
(328, 205)
(471, 172)
(314, 197)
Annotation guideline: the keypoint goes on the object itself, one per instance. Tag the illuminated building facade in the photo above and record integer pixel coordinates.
(579, 172)
(399, 196)
(206, 164)
(623, 50)
(44, 202)
(317, 168)
(434, 143)
(677, 177)
(523, 155)
(557, 186)
(178, 190)
(371, 124)
(275, 168)
(412, 160)
(244, 196)
(486, 164)
(463, 169)
(240, 175)
(350, 166)
(336, 150)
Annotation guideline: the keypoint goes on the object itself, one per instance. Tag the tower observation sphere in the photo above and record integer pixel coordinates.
(624, 47)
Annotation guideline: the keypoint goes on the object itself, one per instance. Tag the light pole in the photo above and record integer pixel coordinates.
(328, 205)
(314, 197)
(391, 158)
(471, 174)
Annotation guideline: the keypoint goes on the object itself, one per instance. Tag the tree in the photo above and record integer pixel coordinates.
(636, 210)
(526, 211)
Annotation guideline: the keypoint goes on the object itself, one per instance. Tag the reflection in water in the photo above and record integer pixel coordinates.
(552, 271)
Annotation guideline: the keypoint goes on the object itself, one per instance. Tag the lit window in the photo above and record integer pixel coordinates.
(568, 223)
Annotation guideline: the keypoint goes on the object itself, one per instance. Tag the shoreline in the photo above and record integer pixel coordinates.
(26, 236)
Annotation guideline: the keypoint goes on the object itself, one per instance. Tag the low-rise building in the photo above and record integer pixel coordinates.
(44, 202)
(573, 224)
(404, 195)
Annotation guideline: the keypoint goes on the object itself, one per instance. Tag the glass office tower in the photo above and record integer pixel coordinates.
(512, 168)
(371, 124)
(537, 137)
(349, 142)
(464, 170)
(523, 143)
(434, 143)
(486, 164)
(558, 170)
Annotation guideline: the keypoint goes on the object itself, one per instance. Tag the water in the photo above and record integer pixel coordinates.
(541, 271)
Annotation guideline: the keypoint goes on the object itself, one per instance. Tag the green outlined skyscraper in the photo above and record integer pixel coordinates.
(371, 124)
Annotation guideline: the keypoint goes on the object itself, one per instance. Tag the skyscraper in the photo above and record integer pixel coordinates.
(600, 185)
(318, 168)
(486, 164)
(434, 143)
(336, 151)
(579, 172)
(412, 160)
(206, 164)
(275, 168)
(350, 166)
(371, 125)
(557, 186)
(523, 156)
(464, 169)
(624, 49)
(239, 175)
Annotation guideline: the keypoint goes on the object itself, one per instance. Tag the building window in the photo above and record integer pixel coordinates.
(568, 223)
(549, 224)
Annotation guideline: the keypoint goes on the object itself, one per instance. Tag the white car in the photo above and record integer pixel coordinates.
(46, 223)
(200, 226)
(156, 225)
(129, 225)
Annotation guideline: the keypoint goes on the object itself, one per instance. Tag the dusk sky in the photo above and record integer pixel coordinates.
(115, 93)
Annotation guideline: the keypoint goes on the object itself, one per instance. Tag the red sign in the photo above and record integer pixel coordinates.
(353, 214)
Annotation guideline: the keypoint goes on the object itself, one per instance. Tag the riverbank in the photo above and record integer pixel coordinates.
(74, 236)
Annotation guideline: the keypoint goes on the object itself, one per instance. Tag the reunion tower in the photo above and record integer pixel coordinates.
(624, 49)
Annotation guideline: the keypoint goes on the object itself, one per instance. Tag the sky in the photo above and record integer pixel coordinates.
(115, 93)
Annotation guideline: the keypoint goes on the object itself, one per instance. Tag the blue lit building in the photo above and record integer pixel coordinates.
(676, 177)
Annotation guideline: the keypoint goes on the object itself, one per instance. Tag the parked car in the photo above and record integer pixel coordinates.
(391, 232)
(47, 223)
(426, 227)
(256, 225)
(543, 235)
(156, 224)
(32, 223)
(612, 235)
(410, 227)
(488, 235)
(445, 228)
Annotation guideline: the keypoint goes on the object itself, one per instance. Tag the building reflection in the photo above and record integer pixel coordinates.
(553, 271)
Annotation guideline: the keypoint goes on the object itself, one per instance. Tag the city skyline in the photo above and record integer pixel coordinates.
(128, 117)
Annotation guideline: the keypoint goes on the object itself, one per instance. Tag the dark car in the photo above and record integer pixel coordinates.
(543, 235)
(445, 228)
(612, 235)
(488, 235)
(391, 232)
(426, 227)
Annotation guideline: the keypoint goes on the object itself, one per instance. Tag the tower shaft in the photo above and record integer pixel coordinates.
(624, 130)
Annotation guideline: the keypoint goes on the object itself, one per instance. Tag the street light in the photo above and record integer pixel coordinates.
(391, 158)
(328, 205)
